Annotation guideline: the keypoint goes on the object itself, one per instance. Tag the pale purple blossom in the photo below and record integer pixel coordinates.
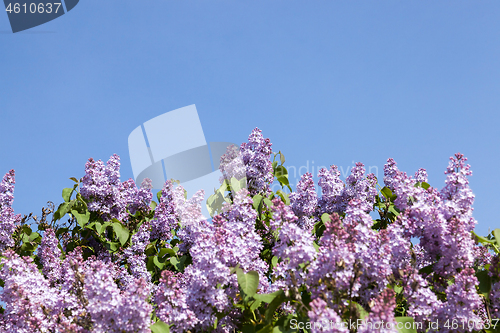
(304, 201)
(8, 220)
(49, 254)
(324, 319)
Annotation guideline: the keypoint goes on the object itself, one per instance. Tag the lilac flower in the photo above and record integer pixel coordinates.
(457, 196)
(335, 261)
(137, 199)
(295, 247)
(324, 319)
(147, 184)
(105, 194)
(423, 303)
(256, 155)
(441, 220)
(30, 303)
(462, 301)
(360, 188)
(331, 188)
(421, 175)
(304, 201)
(400, 248)
(8, 219)
(172, 303)
(336, 196)
(111, 310)
(232, 165)
(215, 248)
(136, 258)
(50, 254)
(495, 300)
(372, 250)
(381, 317)
(165, 218)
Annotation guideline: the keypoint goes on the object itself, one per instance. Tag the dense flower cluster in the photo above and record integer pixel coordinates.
(105, 193)
(265, 261)
(7, 217)
(255, 155)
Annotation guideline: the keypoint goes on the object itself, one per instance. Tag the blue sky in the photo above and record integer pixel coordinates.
(327, 81)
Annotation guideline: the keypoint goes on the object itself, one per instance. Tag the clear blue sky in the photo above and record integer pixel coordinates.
(327, 81)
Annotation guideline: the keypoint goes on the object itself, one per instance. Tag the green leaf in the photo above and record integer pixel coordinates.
(484, 283)
(268, 202)
(255, 304)
(160, 327)
(122, 232)
(425, 185)
(248, 328)
(74, 179)
(235, 185)
(274, 261)
(97, 226)
(113, 246)
(266, 329)
(33, 236)
(66, 193)
(280, 298)
(282, 158)
(248, 282)
(175, 262)
(283, 196)
(362, 312)
(393, 210)
(325, 218)
(267, 298)
(387, 192)
(427, 269)
(153, 205)
(63, 209)
(405, 323)
(82, 219)
(257, 199)
(496, 233)
(158, 264)
(482, 239)
(281, 171)
(165, 251)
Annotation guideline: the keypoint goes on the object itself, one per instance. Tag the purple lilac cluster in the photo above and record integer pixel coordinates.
(8, 220)
(381, 318)
(70, 295)
(111, 309)
(232, 165)
(336, 195)
(294, 246)
(136, 258)
(255, 155)
(349, 260)
(49, 254)
(208, 284)
(105, 194)
(165, 215)
(442, 221)
(304, 202)
(172, 307)
(325, 319)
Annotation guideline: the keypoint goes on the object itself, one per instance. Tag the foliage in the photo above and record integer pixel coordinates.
(110, 259)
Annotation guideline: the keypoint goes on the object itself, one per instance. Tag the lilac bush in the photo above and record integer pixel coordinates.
(112, 259)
